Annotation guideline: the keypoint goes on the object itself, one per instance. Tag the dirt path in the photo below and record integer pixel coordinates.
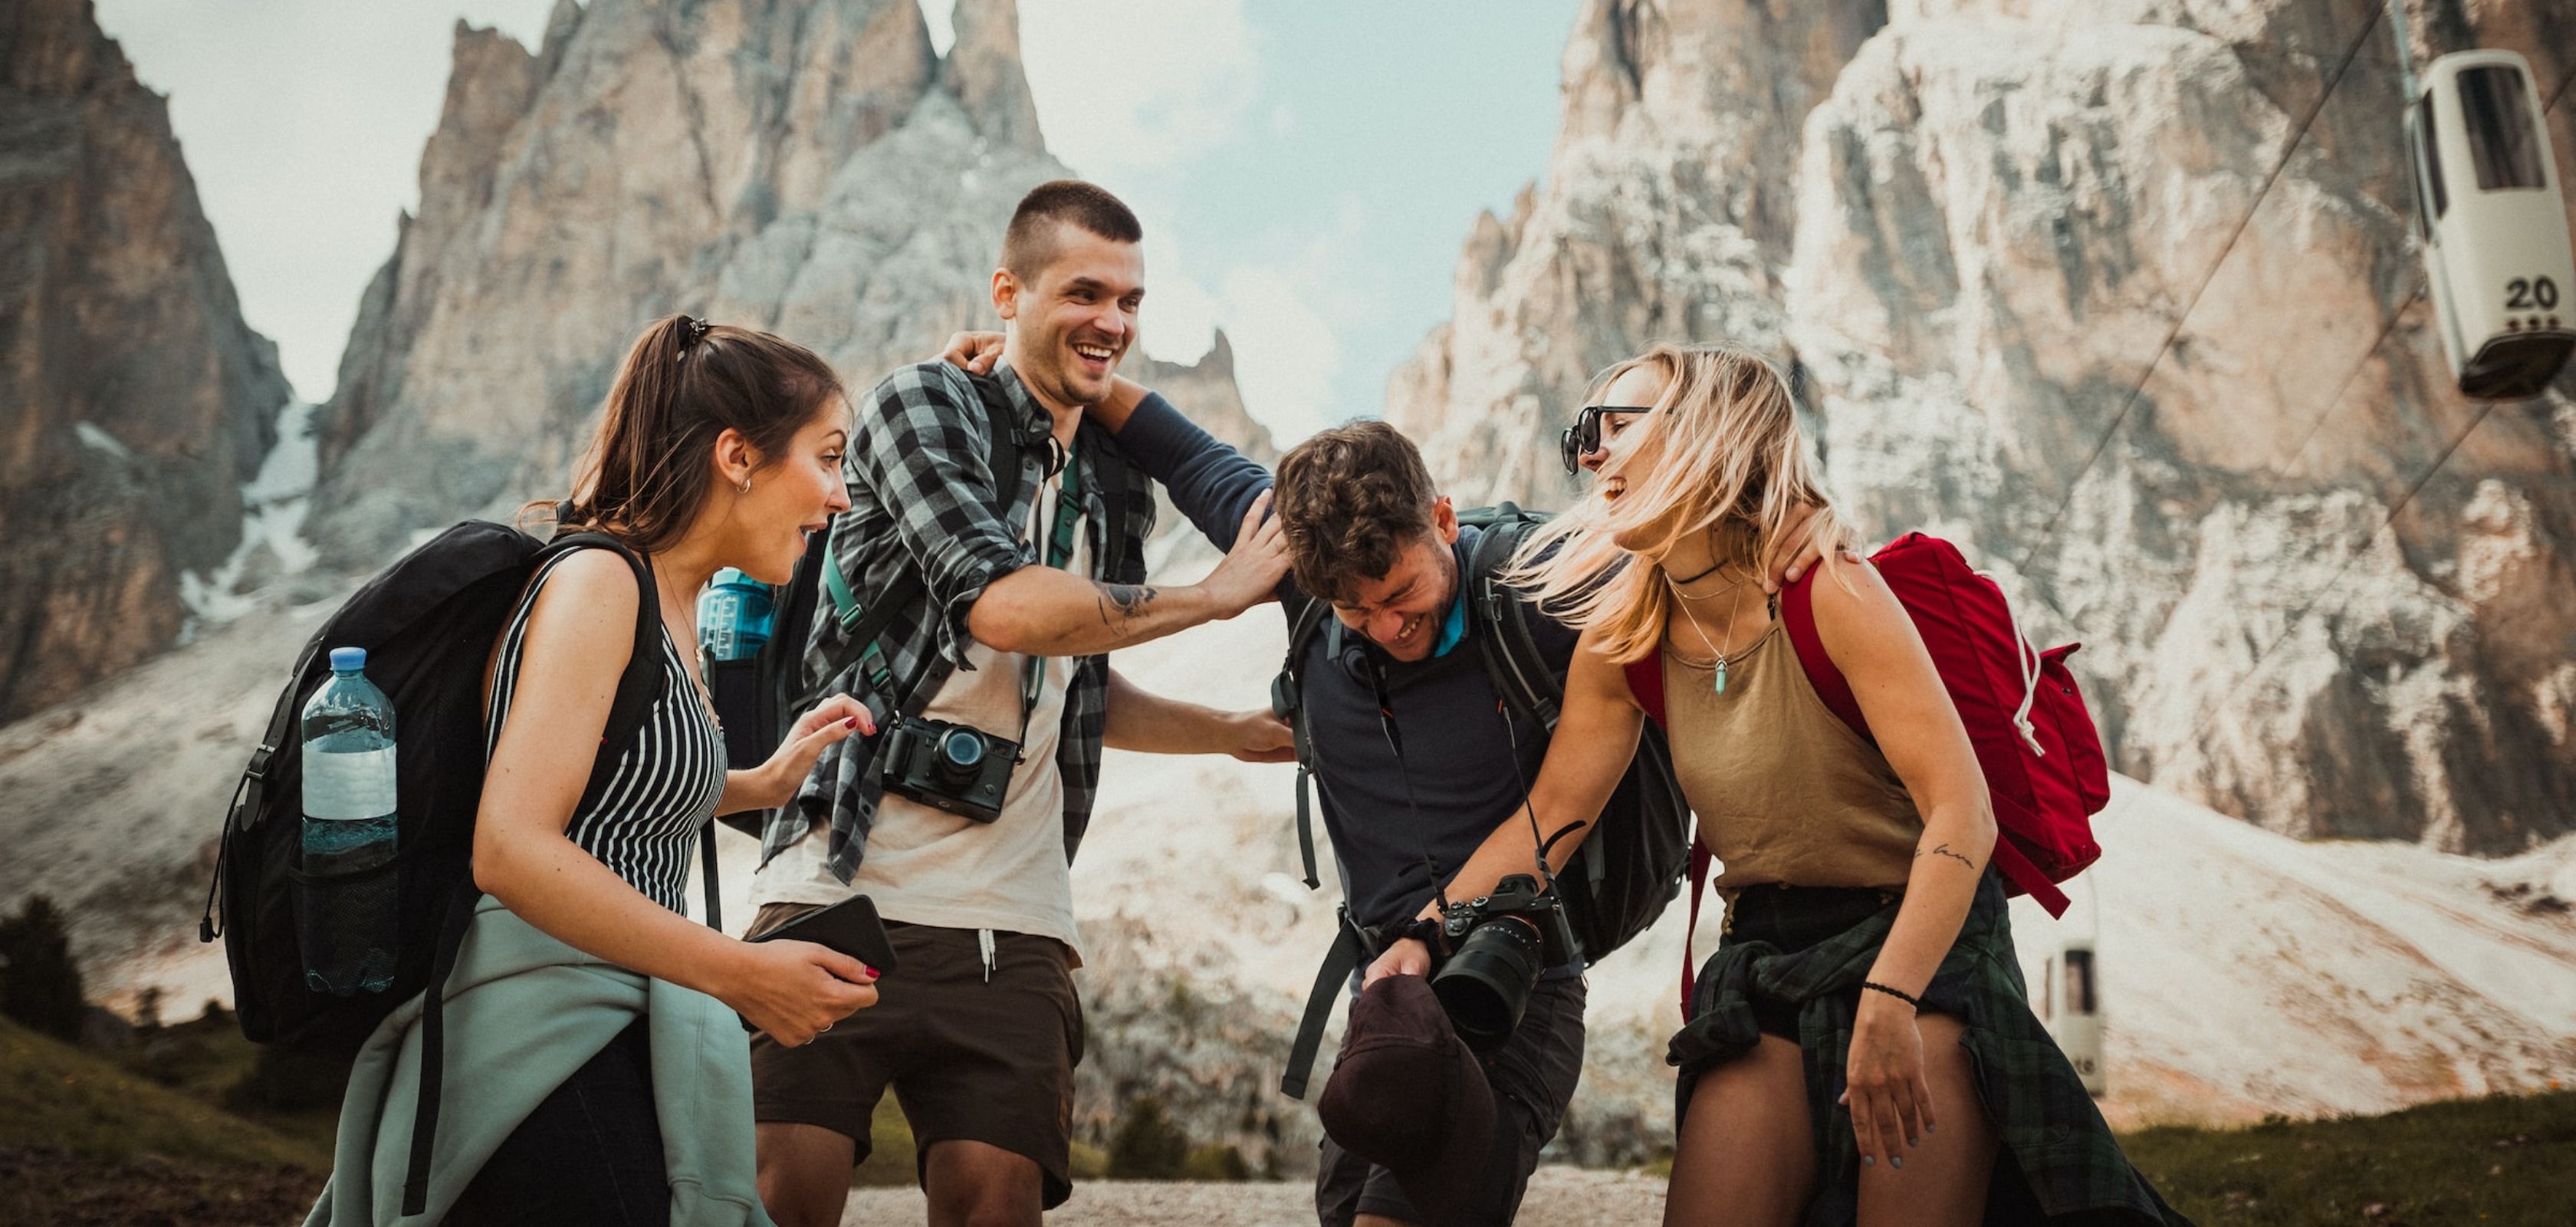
(1556, 1195)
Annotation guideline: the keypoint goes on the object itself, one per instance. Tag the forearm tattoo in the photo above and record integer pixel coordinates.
(1124, 601)
(1944, 850)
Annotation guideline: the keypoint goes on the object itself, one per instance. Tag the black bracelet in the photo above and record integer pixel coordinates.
(1898, 993)
(1424, 929)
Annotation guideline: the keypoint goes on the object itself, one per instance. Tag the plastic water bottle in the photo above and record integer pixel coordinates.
(346, 911)
(735, 616)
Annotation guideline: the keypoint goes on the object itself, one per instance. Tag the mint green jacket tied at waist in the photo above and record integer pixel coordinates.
(524, 1011)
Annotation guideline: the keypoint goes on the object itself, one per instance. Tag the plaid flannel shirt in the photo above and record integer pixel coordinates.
(921, 501)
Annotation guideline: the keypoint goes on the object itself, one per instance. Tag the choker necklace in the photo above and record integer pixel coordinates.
(1713, 568)
(1677, 587)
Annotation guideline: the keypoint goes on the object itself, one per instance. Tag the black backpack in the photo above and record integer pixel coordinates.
(1628, 868)
(428, 623)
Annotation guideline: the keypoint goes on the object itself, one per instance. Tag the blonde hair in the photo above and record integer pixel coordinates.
(1728, 460)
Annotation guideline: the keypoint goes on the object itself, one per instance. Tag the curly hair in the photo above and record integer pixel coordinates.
(1349, 501)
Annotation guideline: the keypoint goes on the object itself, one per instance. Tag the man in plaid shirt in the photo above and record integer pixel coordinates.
(979, 1029)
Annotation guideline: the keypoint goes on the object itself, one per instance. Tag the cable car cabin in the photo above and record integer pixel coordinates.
(2493, 224)
(2070, 1004)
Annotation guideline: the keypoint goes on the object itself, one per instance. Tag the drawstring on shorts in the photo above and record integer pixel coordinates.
(984, 943)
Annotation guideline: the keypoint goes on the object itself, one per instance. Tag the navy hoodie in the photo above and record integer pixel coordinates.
(1467, 761)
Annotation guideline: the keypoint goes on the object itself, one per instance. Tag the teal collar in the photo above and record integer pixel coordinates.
(1453, 626)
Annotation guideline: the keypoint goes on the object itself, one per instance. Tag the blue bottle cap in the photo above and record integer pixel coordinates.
(348, 660)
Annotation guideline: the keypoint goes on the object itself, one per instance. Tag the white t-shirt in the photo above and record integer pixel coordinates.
(929, 867)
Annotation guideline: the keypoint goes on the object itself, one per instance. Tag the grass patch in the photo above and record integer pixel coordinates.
(891, 1161)
(85, 1141)
(2503, 1160)
(81, 1103)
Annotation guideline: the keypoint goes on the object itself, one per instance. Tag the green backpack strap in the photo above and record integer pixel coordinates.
(1350, 948)
(1288, 702)
(1509, 647)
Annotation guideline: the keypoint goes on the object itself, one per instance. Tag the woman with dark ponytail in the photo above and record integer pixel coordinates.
(718, 447)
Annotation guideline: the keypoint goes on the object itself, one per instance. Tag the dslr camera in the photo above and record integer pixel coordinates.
(951, 767)
(1502, 942)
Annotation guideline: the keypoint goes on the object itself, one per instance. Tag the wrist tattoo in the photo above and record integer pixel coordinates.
(1126, 601)
(1944, 850)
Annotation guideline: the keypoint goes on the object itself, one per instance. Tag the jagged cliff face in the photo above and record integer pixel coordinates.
(2000, 211)
(815, 170)
(133, 399)
(1667, 213)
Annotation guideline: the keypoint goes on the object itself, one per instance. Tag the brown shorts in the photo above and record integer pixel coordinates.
(969, 1060)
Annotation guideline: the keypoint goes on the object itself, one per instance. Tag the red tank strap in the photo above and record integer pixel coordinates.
(1798, 617)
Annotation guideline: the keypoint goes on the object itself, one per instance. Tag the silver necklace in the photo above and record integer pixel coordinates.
(1714, 650)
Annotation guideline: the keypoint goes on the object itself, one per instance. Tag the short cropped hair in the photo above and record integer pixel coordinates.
(1350, 501)
(1029, 245)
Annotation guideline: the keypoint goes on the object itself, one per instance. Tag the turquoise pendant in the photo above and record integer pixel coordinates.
(1721, 675)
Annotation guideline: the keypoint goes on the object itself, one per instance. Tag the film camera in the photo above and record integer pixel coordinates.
(1501, 942)
(951, 767)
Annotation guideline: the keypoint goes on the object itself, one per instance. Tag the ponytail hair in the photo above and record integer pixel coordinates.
(649, 466)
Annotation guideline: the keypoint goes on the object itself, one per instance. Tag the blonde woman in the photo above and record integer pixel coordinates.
(1859, 1047)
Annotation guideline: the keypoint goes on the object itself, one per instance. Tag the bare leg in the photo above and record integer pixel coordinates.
(977, 1184)
(1746, 1155)
(804, 1173)
(1944, 1177)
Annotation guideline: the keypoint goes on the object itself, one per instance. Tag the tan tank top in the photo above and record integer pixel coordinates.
(1785, 791)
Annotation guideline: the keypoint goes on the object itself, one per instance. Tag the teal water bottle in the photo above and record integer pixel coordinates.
(735, 615)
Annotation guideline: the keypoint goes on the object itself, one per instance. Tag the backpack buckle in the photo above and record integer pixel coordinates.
(1283, 696)
(259, 760)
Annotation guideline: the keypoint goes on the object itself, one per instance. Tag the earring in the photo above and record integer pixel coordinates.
(746, 485)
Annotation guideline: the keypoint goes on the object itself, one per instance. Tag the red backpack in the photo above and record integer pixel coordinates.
(2034, 739)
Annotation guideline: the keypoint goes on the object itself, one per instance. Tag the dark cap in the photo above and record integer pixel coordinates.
(1407, 1095)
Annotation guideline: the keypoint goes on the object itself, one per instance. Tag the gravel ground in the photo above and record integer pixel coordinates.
(1557, 1195)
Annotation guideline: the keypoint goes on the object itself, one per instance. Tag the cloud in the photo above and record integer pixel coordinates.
(1128, 92)
(1286, 356)
(1286, 307)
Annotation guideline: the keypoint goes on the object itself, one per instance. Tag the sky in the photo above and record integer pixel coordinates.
(1305, 171)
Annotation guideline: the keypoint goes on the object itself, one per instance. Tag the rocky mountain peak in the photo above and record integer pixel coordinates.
(815, 170)
(1665, 213)
(137, 399)
(983, 71)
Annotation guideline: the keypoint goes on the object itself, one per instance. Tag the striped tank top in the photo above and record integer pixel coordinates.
(665, 781)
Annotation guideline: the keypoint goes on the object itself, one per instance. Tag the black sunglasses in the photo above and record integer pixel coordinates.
(1584, 437)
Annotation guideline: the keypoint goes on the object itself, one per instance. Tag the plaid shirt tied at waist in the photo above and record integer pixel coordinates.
(2043, 1117)
(921, 501)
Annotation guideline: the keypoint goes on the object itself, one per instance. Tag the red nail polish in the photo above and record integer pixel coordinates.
(852, 722)
(873, 973)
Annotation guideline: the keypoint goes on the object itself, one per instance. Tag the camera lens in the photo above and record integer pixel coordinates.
(960, 752)
(1485, 986)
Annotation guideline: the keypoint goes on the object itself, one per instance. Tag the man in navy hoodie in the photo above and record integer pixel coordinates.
(1413, 793)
